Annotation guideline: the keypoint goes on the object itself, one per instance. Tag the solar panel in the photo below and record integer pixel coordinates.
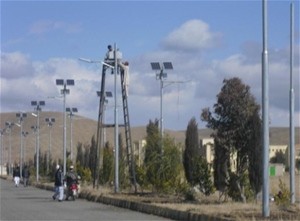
(42, 103)
(65, 91)
(108, 94)
(155, 66)
(59, 82)
(168, 65)
(33, 103)
(68, 109)
(21, 115)
(70, 82)
(74, 109)
(50, 120)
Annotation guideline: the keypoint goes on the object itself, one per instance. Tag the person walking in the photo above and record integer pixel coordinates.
(16, 176)
(58, 184)
(25, 175)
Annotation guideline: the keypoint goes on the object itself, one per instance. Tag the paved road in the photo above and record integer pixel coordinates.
(29, 203)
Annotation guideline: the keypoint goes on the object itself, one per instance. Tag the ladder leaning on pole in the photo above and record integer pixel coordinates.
(129, 148)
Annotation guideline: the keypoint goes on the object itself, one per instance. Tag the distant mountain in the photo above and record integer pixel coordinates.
(84, 129)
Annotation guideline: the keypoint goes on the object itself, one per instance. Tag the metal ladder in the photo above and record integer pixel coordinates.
(129, 147)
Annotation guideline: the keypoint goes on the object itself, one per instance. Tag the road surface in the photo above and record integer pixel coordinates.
(29, 203)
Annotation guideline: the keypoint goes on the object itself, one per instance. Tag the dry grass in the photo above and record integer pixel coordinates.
(211, 206)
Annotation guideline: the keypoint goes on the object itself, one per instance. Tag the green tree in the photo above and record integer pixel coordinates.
(80, 155)
(298, 164)
(92, 158)
(162, 168)
(152, 140)
(202, 176)
(123, 174)
(191, 151)
(141, 176)
(107, 171)
(278, 158)
(255, 171)
(232, 122)
(87, 150)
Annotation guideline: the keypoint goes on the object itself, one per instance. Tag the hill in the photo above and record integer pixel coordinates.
(84, 129)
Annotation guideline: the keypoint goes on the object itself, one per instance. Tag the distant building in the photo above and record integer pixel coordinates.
(276, 149)
(207, 151)
(139, 151)
(3, 170)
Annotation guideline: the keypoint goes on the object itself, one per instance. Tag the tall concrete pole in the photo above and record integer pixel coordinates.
(71, 136)
(21, 147)
(161, 112)
(116, 124)
(1, 150)
(38, 145)
(65, 132)
(265, 113)
(292, 107)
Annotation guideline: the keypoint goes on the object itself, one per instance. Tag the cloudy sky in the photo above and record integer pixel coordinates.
(207, 41)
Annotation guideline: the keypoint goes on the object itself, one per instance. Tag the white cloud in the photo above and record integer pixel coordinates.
(45, 26)
(193, 35)
(23, 80)
(15, 65)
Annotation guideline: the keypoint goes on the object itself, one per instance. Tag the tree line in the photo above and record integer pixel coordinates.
(170, 167)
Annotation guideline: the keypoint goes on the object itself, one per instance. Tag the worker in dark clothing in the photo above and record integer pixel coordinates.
(59, 184)
(25, 175)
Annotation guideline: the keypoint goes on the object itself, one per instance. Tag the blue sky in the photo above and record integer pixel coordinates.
(206, 41)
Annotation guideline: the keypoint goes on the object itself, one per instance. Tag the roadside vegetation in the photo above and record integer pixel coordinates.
(181, 170)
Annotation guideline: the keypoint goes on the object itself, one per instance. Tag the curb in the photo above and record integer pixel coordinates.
(150, 209)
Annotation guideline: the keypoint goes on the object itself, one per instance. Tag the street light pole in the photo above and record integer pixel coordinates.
(37, 105)
(99, 152)
(265, 113)
(161, 76)
(116, 123)
(2, 150)
(71, 112)
(292, 109)
(50, 122)
(34, 128)
(9, 126)
(107, 94)
(64, 92)
(21, 117)
(24, 147)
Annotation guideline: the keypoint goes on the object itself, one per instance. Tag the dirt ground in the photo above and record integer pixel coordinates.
(211, 206)
(231, 210)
